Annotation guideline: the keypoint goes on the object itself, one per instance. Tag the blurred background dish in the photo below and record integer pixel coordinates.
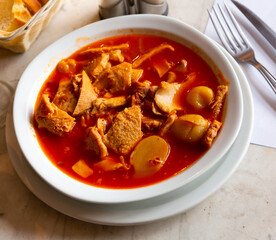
(20, 26)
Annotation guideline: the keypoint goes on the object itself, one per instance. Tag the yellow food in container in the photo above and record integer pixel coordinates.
(19, 38)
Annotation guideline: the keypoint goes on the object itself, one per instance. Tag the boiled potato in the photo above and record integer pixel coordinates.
(82, 169)
(190, 127)
(149, 156)
(199, 97)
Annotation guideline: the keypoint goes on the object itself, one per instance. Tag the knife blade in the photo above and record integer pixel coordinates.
(258, 23)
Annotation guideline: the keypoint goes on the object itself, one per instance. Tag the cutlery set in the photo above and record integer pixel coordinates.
(236, 43)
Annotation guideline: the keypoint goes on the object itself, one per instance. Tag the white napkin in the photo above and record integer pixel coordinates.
(264, 132)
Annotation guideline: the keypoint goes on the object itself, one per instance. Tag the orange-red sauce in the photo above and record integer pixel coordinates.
(66, 150)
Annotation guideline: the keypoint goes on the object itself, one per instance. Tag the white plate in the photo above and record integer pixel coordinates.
(40, 68)
(148, 210)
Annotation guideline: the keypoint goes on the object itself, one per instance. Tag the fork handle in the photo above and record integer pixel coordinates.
(271, 80)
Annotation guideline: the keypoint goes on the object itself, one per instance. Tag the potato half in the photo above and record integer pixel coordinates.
(190, 127)
(149, 156)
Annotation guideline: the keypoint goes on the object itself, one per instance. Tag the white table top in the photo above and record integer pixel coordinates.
(244, 208)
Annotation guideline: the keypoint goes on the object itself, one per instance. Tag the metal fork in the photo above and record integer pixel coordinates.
(235, 42)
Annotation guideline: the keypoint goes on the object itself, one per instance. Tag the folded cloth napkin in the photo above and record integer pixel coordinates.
(264, 132)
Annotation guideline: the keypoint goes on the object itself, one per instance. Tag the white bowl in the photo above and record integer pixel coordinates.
(40, 68)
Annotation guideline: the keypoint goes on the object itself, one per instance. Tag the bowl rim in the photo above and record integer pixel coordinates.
(67, 185)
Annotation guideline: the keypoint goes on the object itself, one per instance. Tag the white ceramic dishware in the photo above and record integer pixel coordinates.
(146, 211)
(40, 68)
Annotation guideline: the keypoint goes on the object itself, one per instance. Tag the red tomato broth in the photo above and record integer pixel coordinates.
(64, 151)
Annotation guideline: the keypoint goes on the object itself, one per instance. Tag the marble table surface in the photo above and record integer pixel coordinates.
(243, 208)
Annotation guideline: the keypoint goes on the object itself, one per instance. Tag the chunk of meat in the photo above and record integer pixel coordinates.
(65, 98)
(141, 87)
(211, 133)
(120, 77)
(116, 55)
(106, 49)
(136, 74)
(140, 90)
(85, 119)
(98, 64)
(101, 125)
(167, 125)
(138, 62)
(156, 110)
(76, 81)
(55, 120)
(101, 104)
(126, 165)
(216, 106)
(87, 95)
(164, 96)
(114, 102)
(151, 124)
(151, 93)
(116, 78)
(102, 82)
(94, 142)
(136, 99)
(149, 103)
(67, 66)
(125, 131)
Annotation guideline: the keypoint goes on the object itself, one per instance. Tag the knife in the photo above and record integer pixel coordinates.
(258, 23)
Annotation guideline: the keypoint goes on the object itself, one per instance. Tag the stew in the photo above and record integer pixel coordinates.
(129, 111)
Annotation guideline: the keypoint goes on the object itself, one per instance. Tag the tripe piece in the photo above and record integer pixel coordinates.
(87, 95)
(95, 143)
(65, 98)
(55, 120)
(125, 131)
(211, 133)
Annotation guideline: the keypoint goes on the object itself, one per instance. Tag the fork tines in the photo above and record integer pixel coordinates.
(235, 41)
(228, 29)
